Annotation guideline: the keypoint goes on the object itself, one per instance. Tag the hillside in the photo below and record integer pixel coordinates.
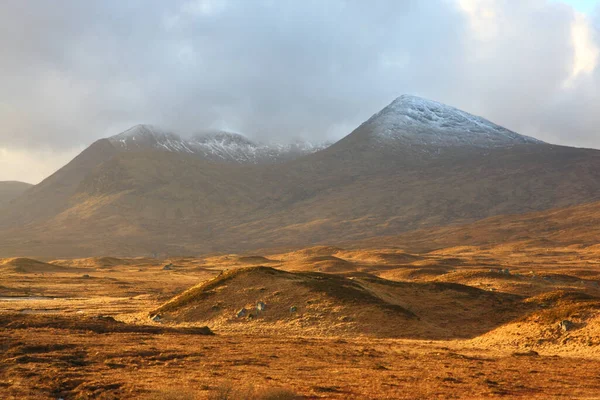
(217, 146)
(413, 121)
(379, 180)
(10, 190)
(309, 303)
(26, 265)
(57, 192)
(569, 226)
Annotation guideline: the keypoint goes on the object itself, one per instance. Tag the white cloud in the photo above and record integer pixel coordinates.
(187, 55)
(585, 49)
(284, 69)
(484, 18)
(204, 7)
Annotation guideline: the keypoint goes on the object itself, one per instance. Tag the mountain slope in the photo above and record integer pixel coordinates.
(152, 201)
(558, 227)
(414, 121)
(226, 146)
(218, 146)
(10, 190)
(54, 193)
(148, 137)
(398, 195)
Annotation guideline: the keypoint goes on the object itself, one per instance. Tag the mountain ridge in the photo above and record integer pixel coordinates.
(218, 146)
(416, 121)
(147, 201)
(10, 190)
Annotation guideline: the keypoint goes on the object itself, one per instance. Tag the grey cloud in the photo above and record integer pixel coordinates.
(75, 71)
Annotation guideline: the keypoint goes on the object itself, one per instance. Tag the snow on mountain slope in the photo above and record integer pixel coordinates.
(412, 120)
(409, 121)
(147, 137)
(219, 145)
(212, 145)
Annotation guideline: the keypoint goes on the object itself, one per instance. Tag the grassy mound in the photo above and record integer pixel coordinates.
(28, 265)
(314, 303)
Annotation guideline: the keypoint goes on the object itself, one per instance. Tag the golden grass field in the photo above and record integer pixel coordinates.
(370, 323)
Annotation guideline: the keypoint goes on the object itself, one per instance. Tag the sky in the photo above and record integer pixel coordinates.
(585, 6)
(72, 72)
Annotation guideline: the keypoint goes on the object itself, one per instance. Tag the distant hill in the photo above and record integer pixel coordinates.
(10, 190)
(413, 165)
(26, 265)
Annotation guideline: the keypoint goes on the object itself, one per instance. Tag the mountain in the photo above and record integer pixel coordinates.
(413, 128)
(390, 175)
(10, 190)
(55, 193)
(211, 145)
(558, 227)
(226, 146)
(148, 137)
(414, 121)
(62, 190)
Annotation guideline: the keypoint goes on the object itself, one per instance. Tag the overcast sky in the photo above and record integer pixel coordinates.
(74, 71)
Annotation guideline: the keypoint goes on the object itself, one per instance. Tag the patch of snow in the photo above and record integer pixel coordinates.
(213, 145)
(238, 148)
(413, 120)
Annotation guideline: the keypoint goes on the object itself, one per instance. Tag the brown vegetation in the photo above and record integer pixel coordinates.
(149, 202)
(467, 322)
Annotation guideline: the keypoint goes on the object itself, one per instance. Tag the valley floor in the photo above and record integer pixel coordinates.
(53, 363)
(80, 329)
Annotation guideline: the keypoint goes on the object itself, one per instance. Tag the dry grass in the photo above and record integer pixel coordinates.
(134, 366)
(331, 304)
(232, 391)
(174, 394)
(228, 391)
(340, 345)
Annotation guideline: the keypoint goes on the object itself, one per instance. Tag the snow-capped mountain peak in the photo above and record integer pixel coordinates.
(223, 137)
(414, 120)
(212, 145)
(149, 137)
(233, 146)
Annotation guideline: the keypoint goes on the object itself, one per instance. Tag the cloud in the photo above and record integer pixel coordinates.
(483, 18)
(585, 49)
(32, 165)
(203, 7)
(277, 70)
